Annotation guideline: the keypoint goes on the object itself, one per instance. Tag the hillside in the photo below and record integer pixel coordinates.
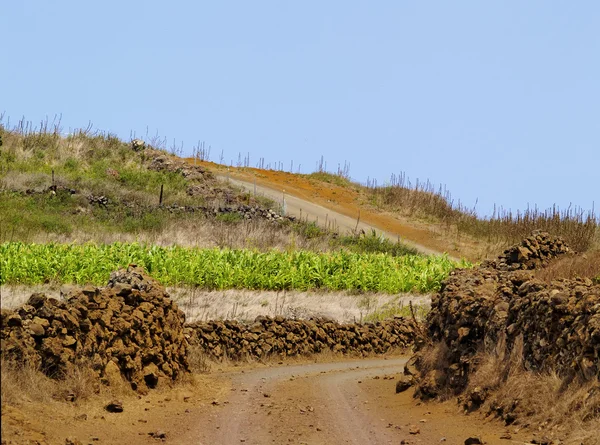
(91, 186)
(421, 213)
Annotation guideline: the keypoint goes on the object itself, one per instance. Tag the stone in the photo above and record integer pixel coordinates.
(158, 434)
(138, 145)
(14, 320)
(41, 321)
(69, 341)
(37, 330)
(414, 430)
(112, 374)
(115, 406)
(404, 382)
(151, 375)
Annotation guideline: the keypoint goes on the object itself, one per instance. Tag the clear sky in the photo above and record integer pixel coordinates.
(498, 100)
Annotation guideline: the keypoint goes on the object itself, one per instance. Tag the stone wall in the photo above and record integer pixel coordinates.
(286, 337)
(130, 327)
(500, 304)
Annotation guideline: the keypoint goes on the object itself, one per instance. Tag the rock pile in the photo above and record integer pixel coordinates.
(286, 337)
(245, 211)
(163, 162)
(255, 212)
(99, 200)
(129, 328)
(138, 145)
(52, 190)
(501, 307)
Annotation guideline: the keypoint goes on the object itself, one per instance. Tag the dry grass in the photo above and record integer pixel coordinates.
(434, 357)
(23, 384)
(246, 305)
(200, 362)
(580, 228)
(197, 231)
(570, 411)
(544, 401)
(586, 265)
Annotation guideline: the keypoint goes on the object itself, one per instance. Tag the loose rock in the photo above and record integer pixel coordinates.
(115, 406)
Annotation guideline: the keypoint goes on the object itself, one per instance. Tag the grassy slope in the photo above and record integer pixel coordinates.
(99, 164)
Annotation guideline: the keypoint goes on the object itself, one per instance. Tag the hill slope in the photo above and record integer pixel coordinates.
(419, 214)
(91, 186)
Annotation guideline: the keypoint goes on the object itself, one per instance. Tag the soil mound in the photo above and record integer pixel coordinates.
(129, 328)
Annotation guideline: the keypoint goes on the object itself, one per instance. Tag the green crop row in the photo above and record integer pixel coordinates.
(22, 263)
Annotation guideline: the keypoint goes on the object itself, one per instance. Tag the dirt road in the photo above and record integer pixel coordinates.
(336, 402)
(349, 402)
(298, 207)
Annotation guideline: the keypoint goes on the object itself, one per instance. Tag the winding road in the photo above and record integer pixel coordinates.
(335, 403)
(323, 216)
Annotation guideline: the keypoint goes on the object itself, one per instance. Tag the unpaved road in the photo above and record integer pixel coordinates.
(349, 402)
(326, 403)
(301, 208)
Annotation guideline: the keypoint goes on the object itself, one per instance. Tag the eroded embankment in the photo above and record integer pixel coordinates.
(499, 313)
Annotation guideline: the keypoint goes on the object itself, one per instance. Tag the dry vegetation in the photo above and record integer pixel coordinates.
(428, 215)
(422, 200)
(544, 400)
(24, 384)
(586, 265)
(580, 228)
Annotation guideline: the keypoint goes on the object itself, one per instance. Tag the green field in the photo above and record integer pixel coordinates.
(22, 263)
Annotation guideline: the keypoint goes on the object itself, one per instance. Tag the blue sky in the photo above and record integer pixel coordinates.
(499, 101)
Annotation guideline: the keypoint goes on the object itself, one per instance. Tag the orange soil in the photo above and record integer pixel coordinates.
(344, 200)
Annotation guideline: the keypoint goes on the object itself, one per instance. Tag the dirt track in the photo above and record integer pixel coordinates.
(325, 403)
(298, 207)
(349, 402)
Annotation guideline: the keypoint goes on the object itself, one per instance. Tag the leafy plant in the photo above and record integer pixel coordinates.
(22, 263)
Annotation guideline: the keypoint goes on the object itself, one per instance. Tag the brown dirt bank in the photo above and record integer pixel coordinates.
(343, 200)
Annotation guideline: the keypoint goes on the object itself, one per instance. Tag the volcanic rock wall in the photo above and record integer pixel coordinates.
(130, 327)
(500, 304)
(286, 337)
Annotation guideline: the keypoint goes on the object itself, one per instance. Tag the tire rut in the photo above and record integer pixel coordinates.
(246, 416)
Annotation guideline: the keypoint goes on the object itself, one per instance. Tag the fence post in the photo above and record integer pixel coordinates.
(161, 195)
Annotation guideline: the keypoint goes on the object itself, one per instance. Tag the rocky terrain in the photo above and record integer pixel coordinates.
(501, 309)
